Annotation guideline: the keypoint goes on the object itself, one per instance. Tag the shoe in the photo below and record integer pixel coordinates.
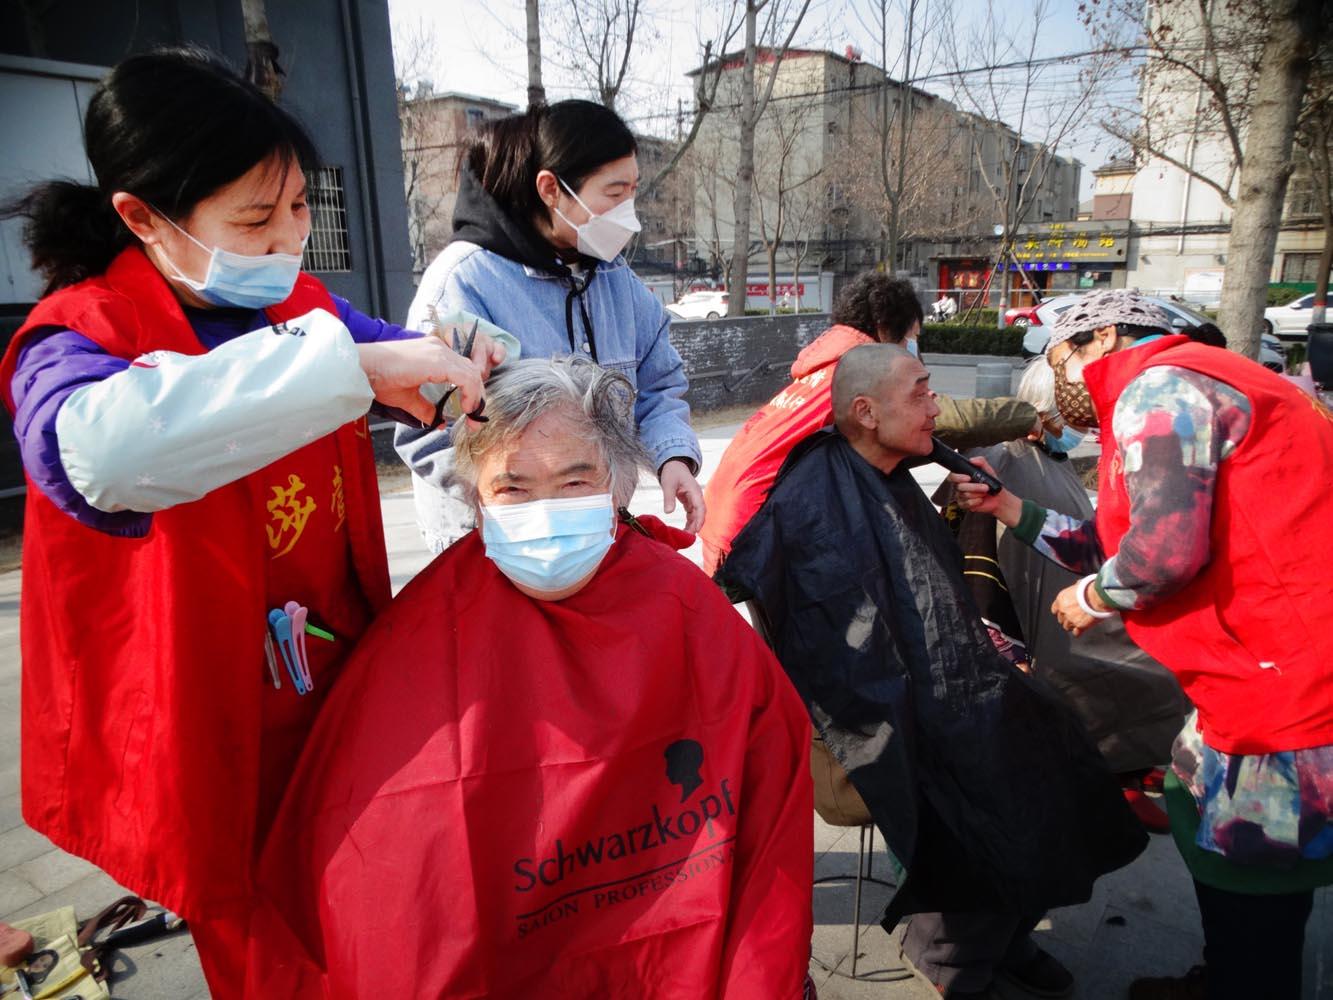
(987, 993)
(1042, 975)
(1149, 780)
(1150, 815)
(1191, 986)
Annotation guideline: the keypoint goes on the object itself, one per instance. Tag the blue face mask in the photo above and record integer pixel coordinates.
(237, 280)
(1067, 441)
(912, 348)
(549, 545)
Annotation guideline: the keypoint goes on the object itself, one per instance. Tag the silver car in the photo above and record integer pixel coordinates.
(1272, 354)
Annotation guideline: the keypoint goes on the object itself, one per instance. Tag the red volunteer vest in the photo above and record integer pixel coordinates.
(143, 662)
(1248, 637)
(740, 484)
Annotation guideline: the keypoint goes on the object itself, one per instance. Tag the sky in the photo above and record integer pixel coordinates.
(465, 46)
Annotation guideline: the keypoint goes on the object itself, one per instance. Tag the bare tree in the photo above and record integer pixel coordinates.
(888, 136)
(429, 146)
(1014, 85)
(777, 17)
(714, 187)
(1314, 143)
(261, 52)
(927, 194)
(536, 92)
(807, 214)
(598, 39)
(785, 170)
(1294, 29)
(1244, 65)
(705, 90)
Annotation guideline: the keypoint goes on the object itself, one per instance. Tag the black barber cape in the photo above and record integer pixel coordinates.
(984, 785)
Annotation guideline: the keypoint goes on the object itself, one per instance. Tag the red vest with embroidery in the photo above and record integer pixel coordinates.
(143, 664)
(1248, 638)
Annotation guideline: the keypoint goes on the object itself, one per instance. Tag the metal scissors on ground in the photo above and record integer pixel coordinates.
(465, 349)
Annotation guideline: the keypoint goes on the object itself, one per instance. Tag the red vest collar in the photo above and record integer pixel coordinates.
(1108, 375)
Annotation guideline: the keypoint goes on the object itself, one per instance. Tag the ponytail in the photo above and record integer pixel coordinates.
(171, 127)
(71, 231)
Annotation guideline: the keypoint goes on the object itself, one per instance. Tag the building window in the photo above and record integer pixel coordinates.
(1299, 267)
(1302, 199)
(475, 116)
(327, 249)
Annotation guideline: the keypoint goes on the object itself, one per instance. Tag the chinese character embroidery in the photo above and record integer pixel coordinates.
(338, 504)
(291, 514)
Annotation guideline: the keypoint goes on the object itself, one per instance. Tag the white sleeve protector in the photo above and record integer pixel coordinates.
(172, 427)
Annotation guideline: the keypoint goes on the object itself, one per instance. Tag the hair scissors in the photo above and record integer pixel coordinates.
(465, 349)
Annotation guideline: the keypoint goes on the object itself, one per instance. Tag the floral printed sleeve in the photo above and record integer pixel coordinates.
(1174, 427)
(1062, 538)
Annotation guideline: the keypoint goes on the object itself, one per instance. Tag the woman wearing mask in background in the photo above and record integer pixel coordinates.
(545, 207)
(190, 409)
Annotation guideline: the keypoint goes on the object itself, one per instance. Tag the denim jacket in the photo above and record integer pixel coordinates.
(629, 335)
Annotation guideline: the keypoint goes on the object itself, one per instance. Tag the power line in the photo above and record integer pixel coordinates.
(887, 82)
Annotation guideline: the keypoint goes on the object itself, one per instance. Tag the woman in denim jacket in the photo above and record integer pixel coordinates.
(545, 206)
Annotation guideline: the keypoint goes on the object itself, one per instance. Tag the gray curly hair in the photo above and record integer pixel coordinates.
(600, 403)
(1037, 386)
(1115, 307)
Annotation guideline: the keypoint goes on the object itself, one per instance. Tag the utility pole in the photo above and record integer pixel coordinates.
(536, 92)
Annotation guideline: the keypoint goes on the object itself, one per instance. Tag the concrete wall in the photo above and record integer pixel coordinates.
(745, 361)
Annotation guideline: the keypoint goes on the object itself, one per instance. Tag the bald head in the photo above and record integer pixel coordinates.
(864, 371)
(883, 405)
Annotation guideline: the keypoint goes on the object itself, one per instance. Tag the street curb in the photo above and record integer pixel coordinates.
(931, 358)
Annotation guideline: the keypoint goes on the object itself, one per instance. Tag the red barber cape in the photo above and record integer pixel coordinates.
(606, 797)
(750, 464)
(147, 740)
(1248, 637)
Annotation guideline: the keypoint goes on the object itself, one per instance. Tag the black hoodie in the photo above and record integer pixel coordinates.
(480, 219)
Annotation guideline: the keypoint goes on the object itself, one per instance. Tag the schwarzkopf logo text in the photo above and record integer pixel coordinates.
(684, 760)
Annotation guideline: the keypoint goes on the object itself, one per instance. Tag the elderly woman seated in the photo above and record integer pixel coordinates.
(559, 764)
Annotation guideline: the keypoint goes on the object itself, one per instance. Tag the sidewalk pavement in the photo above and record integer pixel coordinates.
(1141, 920)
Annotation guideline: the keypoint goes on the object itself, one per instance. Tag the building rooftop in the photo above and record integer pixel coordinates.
(455, 95)
(1118, 165)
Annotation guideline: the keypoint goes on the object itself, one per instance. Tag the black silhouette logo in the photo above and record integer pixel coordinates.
(684, 758)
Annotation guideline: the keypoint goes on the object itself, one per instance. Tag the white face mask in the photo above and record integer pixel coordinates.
(603, 236)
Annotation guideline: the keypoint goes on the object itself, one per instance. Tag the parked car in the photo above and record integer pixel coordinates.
(699, 305)
(1041, 318)
(1022, 316)
(1289, 322)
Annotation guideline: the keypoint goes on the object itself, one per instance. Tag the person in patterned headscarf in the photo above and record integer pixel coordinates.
(1211, 502)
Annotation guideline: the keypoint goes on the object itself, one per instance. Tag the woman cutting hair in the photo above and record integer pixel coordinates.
(1211, 501)
(545, 207)
(190, 408)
